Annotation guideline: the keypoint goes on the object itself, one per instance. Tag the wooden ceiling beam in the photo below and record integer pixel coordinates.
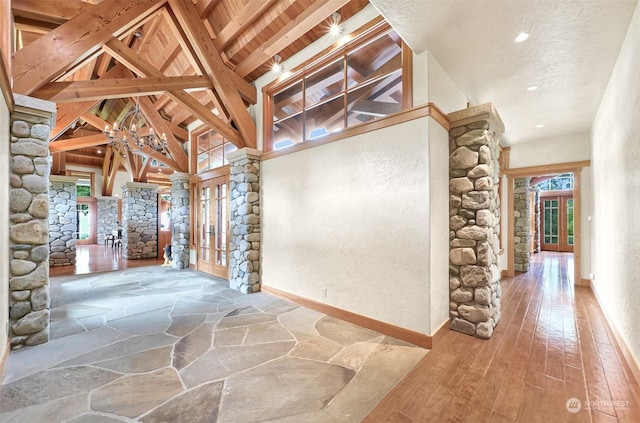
(53, 11)
(140, 66)
(75, 143)
(240, 22)
(216, 70)
(75, 40)
(113, 171)
(205, 7)
(73, 91)
(296, 28)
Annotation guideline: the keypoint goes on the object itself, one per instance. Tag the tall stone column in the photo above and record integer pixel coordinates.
(63, 220)
(31, 123)
(139, 220)
(521, 231)
(180, 235)
(107, 217)
(244, 248)
(474, 209)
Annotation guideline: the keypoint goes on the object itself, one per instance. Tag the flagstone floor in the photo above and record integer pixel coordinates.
(154, 344)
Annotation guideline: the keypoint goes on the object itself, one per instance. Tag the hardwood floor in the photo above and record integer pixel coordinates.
(100, 258)
(552, 344)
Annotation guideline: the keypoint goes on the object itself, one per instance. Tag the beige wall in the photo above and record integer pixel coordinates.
(4, 228)
(615, 143)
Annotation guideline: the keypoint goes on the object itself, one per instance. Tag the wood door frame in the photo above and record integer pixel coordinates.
(93, 221)
(561, 196)
(524, 172)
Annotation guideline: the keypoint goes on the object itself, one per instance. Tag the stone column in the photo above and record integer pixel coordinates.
(31, 123)
(521, 232)
(244, 248)
(474, 209)
(63, 220)
(139, 220)
(180, 235)
(107, 216)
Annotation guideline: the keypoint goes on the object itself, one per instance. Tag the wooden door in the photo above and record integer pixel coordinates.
(213, 226)
(557, 223)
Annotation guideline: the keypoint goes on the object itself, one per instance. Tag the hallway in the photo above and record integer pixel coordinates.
(552, 344)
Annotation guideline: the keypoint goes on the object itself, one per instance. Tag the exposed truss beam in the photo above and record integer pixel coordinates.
(75, 143)
(72, 42)
(73, 91)
(240, 22)
(53, 11)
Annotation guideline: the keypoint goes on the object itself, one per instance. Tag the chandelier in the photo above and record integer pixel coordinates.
(134, 133)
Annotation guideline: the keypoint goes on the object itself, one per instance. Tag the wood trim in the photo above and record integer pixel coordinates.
(5, 358)
(424, 110)
(440, 333)
(6, 48)
(415, 338)
(521, 172)
(214, 173)
(630, 358)
(577, 228)
(407, 78)
(584, 282)
(510, 227)
(192, 266)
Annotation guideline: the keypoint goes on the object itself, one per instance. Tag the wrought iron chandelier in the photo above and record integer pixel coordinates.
(133, 133)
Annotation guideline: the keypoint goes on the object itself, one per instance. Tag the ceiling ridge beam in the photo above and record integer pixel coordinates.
(75, 40)
(293, 30)
(73, 91)
(216, 70)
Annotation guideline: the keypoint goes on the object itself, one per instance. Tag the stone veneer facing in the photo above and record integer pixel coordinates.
(63, 220)
(139, 220)
(244, 222)
(31, 123)
(180, 235)
(474, 210)
(107, 217)
(521, 213)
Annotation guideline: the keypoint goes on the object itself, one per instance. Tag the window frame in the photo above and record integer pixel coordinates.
(195, 134)
(335, 53)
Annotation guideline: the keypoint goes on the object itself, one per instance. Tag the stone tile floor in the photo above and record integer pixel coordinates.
(156, 344)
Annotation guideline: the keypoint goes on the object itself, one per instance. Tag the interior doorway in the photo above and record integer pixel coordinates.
(86, 221)
(557, 222)
(212, 226)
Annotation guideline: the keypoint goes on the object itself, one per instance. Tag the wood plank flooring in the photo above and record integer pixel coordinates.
(552, 344)
(100, 258)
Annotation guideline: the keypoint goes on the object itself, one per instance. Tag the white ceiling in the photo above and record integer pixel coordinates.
(571, 51)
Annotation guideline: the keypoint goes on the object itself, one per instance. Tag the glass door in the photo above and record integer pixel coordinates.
(557, 223)
(213, 227)
(86, 221)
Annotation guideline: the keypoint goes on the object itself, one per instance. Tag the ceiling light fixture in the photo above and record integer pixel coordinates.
(539, 125)
(134, 127)
(276, 67)
(532, 88)
(334, 28)
(521, 37)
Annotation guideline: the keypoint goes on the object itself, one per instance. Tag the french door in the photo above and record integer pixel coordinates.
(557, 223)
(213, 226)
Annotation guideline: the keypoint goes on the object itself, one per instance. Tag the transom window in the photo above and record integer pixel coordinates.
(359, 83)
(559, 183)
(211, 150)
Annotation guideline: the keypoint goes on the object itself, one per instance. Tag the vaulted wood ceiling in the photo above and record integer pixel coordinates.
(186, 60)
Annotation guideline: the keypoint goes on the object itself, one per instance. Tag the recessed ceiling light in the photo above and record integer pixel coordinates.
(521, 37)
(99, 151)
(532, 88)
(539, 125)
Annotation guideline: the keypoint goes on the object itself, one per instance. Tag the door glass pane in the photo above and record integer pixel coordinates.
(551, 221)
(221, 225)
(84, 218)
(205, 214)
(570, 221)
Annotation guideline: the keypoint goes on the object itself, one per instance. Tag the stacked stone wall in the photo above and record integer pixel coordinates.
(180, 235)
(521, 230)
(63, 220)
(244, 263)
(107, 218)
(139, 221)
(29, 228)
(474, 229)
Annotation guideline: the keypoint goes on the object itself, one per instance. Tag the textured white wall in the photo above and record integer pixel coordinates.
(4, 228)
(616, 192)
(567, 148)
(353, 217)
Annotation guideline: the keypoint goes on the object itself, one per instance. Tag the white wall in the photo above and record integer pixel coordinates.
(353, 217)
(615, 143)
(4, 228)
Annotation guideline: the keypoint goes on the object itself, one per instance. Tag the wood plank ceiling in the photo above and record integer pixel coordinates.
(184, 59)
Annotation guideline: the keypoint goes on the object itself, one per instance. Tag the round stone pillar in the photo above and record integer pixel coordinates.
(139, 220)
(244, 225)
(474, 210)
(180, 235)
